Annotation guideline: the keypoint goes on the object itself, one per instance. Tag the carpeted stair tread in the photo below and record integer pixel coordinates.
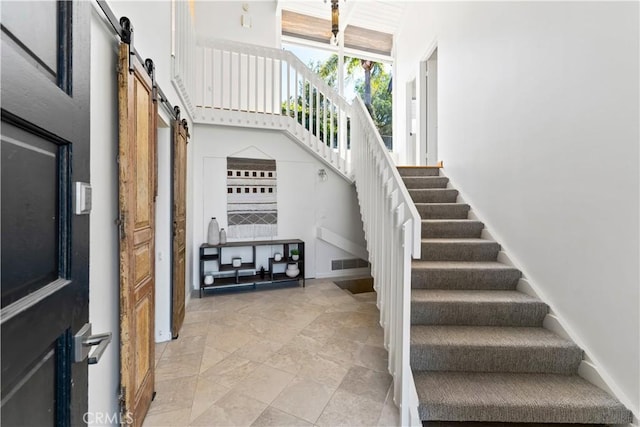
(476, 307)
(451, 228)
(434, 195)
(442, 210)
(478, 351)
(515, 398)
(459, 249)
(461, 265)
(418, 171)
(492, 349)
(425, 181)
(463, 275)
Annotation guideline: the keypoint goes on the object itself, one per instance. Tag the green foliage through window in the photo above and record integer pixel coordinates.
(374, 89)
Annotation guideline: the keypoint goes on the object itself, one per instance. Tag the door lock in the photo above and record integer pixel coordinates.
(83, 341)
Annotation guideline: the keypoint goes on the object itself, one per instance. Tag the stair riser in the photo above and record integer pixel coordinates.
(425, 182)
(434, 196)
(559, 360)
(477, 314)
(419, 171)
(485, 251)
(462, 229)
(450, 211)
(503, 279)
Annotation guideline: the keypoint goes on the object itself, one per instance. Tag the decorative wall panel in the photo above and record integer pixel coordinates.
(252, 209)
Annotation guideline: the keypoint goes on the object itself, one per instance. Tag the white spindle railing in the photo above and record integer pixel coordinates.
(244, 85)
(393, 234)
(233, 79)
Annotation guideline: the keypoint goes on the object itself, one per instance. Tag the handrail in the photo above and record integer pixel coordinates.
(392, 228)
(381, 150)
(282, 54)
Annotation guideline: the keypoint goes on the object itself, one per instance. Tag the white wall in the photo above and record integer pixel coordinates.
(304, 201)
(104, 277)
(222, 20)
(151, 21)
(152, 24)
(538, 127)
(163, 238)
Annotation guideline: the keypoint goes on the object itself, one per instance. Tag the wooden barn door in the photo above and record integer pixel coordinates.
(137, 170)
(179, 215)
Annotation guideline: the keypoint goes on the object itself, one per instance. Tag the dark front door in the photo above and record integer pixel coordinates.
(45, 245)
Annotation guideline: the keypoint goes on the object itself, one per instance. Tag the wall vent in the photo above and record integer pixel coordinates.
(347, 264)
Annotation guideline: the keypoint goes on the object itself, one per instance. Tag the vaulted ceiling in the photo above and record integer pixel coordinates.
(367, 25)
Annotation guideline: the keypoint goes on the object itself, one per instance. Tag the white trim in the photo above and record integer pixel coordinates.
(431, 108)
(421, 114)
(432, 48)
(334, 49)
(173, 28)
(341, 243)
(270, 122)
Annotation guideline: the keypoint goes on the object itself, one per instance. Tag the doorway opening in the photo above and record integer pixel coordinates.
(429, 109)
(412, 158)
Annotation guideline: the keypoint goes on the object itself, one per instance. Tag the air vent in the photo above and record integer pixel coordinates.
(347, 264)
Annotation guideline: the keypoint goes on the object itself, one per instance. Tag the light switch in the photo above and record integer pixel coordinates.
(83, 198)
(245, 20)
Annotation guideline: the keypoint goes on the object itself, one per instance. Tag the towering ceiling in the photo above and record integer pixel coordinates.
(367, 25)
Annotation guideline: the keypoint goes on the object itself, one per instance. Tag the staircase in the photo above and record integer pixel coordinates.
(450, 311)
(478, 350)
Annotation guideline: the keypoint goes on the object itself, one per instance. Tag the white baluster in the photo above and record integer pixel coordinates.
(257, 90)
(288, 89)
(264, 84)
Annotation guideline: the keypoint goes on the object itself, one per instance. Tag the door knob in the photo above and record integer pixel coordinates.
(83, 341)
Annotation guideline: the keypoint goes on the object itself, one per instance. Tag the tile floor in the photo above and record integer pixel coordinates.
(287, 356)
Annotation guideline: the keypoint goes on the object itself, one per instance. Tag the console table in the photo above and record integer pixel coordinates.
(246, 274)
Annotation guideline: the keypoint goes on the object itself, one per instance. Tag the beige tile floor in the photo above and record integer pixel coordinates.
(289, 356)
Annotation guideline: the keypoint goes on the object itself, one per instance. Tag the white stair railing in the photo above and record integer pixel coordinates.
(243, 85)
(235, 79)
(393, 233)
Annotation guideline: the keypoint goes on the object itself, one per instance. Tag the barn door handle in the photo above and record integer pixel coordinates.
(83, 341)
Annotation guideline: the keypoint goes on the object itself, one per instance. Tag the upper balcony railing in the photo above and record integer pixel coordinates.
(233, 79)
